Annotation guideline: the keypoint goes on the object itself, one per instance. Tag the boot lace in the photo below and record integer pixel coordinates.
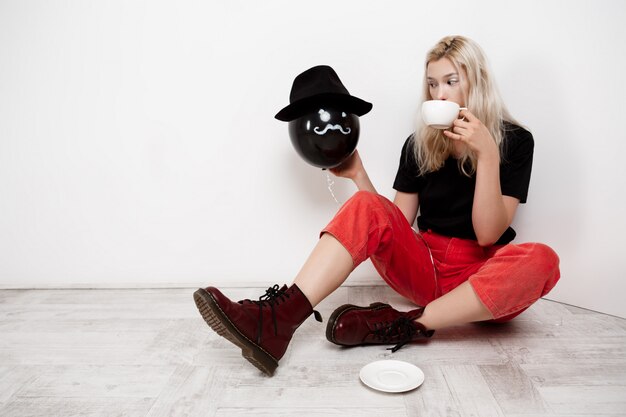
(400, 331)
(273, 296)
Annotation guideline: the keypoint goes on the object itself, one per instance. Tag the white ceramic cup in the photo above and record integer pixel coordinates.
(440, 114)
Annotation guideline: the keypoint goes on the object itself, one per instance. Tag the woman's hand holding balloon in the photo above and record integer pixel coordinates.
(351, 168)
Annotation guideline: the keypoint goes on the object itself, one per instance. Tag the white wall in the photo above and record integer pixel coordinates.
(138, 144)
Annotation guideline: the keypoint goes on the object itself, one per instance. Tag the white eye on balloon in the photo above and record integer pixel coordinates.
(343, 114)
(324, 115)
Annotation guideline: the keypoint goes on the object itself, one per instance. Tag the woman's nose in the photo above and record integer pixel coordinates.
(440, 94)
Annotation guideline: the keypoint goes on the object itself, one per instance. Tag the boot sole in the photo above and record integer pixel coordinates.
(332, 321)
(220, 323)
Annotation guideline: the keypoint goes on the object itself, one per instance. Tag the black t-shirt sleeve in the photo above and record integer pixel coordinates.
(407, 180)
(517, 162)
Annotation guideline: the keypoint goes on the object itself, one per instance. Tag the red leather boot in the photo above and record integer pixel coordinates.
(378, 324)
(263, 328)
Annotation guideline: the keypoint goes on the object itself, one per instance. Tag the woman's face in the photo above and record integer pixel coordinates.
(445, 83)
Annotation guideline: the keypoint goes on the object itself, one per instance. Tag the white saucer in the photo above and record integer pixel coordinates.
(391, 376)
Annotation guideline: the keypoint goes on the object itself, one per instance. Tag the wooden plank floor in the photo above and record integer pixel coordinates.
(149, 353)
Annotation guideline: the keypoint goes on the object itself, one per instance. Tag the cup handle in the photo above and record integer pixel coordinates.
(463, 108)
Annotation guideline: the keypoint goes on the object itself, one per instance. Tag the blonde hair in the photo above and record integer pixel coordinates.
(431, 148)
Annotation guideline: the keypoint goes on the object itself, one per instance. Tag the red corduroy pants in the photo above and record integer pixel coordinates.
(424, 266)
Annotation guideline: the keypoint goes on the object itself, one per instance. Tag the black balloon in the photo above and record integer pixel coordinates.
(325, 137)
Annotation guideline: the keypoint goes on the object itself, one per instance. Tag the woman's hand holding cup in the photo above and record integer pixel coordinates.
(474, 134)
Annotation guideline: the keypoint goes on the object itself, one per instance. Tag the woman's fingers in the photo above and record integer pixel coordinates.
(461, 123)
(460, 133)
(452, 135)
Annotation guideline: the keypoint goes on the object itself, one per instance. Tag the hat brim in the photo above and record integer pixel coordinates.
(348, 103)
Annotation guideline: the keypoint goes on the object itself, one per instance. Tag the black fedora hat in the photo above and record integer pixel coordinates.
(320, 85)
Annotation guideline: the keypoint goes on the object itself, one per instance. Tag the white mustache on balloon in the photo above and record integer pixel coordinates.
(331, 127)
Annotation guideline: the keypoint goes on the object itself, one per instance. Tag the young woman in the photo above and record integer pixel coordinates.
(460, 267)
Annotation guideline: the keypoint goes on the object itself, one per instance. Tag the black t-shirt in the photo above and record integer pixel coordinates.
(446, 195)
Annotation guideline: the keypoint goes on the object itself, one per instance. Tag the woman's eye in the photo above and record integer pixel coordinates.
(452, 82)
(431, 85)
